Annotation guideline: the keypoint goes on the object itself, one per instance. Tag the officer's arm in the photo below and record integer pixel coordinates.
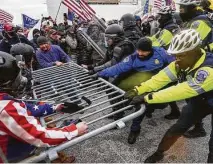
(164, 77)
(201, 83)
(115, 59)
(117, 69)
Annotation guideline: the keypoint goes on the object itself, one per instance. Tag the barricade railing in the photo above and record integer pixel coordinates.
(71, 83)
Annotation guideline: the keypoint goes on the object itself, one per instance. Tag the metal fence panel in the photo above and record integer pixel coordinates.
(72, 83)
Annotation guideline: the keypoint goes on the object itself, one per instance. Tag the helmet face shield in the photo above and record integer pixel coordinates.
(108, 39)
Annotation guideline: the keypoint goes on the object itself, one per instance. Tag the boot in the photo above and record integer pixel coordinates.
(133, 135)
(63, 158)
(175, 113)
(154, 158)
(197, 131)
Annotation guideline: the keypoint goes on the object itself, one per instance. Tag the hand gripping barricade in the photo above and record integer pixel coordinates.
(71, 83)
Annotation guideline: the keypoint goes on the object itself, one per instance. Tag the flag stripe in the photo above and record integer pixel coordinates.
(158, 4)
(5, 16)
(87, 8)
(74, 6)
(90, 8)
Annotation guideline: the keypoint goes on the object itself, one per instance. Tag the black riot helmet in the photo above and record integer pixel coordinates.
(9, 71)
(127, 21)
(24, 50)
(114, 32)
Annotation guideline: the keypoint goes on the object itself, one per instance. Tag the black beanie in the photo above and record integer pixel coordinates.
(42, 40)
(144, 44)
(36, 31)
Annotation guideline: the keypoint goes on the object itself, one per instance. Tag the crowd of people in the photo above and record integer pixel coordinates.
(157, 61)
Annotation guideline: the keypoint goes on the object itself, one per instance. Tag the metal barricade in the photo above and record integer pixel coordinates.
(70, 83)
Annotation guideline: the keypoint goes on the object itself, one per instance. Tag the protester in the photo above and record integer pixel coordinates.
(50, 55)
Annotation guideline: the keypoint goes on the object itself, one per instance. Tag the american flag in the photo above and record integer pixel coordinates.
(158, 4)
(146, 7)
(145, 17)
(172, 4)
(5, 16)
(75, 7)
(87, 9)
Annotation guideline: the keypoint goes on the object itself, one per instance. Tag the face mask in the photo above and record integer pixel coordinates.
(36, 36)
(12, 34)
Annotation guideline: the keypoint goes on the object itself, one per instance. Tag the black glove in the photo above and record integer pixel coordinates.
(138, 100)
(95, 76)
(130, 94)
(91, 72)
(90, 67)
(70, 107)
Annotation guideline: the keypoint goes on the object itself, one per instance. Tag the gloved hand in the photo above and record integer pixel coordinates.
(95, 76)
(91, 72)
(90, 67)
(67, 107)
(138, 100)
(130, 94)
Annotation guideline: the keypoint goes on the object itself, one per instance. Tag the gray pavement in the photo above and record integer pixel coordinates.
(112, 146)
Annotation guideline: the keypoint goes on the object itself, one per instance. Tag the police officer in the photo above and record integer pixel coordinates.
(196, 19)
(24, 54)
(21, 132)
(138, 68)
(193, 69)
(167, 28)
(118, 48)
(131, 30)
(207, 5)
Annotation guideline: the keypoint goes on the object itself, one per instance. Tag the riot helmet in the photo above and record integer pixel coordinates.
(22, 51)
(127, 21)
(188, 9)
(10, 80)
(113, 34)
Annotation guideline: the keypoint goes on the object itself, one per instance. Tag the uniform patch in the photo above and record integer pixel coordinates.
(126, 60)
(157, 61)
(195, 25)
(201, 76)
